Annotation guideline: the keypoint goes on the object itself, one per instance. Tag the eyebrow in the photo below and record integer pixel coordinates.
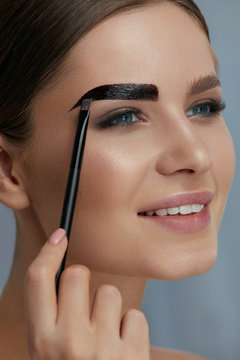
(202, 84)
(129, 91)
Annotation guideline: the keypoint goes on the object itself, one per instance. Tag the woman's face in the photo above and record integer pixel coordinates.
(177, 144)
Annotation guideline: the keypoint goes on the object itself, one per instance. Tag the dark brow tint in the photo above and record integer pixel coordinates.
(121, 92)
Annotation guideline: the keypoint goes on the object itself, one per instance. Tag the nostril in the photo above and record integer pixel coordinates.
(186, 170)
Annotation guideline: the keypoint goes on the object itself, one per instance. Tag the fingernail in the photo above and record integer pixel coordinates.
(57, 236)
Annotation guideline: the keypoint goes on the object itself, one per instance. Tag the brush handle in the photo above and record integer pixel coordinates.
(70, 201)
(72, 183)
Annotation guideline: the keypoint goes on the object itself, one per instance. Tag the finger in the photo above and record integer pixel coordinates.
(106, 311)
(73, 299)
(135, 330)
(39, 285)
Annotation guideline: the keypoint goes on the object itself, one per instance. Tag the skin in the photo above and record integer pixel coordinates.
(120, 174)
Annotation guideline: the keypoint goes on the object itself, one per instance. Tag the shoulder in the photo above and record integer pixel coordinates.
(168, 354)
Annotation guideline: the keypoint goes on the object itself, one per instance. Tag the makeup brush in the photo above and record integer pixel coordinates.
(73, 177)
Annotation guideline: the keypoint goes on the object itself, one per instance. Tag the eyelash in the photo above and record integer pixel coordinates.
(110, 121)
(215, 105)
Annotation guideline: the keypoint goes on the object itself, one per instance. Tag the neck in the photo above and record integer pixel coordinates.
(30, 238)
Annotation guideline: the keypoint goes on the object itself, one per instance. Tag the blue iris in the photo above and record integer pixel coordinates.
(126, 118)
(203, 109)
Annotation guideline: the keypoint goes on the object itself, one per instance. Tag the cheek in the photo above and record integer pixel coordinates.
(111, 174)
(47, 173)
(106, 212)
(223, 168)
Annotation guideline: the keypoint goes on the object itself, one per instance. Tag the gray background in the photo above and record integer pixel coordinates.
(200, 314)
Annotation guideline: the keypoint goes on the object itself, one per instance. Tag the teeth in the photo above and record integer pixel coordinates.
(183, 210)
(161, 212)
(150, 213)
(186, 209)
(173, 211)
(197, 208)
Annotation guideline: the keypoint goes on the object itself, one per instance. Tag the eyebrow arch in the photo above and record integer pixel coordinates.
(121, 92)
(203, 84)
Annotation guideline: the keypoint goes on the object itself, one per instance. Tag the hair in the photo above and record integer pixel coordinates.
(36, 37)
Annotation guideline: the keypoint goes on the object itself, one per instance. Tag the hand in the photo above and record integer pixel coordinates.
(65, 329)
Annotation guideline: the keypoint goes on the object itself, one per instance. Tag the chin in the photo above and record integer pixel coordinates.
(186, 266)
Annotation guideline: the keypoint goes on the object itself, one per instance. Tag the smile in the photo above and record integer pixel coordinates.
(184, 212)
(181, 210)
(186, 218)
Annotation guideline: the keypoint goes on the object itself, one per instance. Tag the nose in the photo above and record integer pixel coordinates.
(184, 149)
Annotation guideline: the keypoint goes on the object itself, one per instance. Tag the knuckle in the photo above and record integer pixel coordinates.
(36, 273)
(137, 315)
(70, 352)
(105, 354)
(38, 346)
(106, 350)
(110, 290)
(75, 351)
(74, 271)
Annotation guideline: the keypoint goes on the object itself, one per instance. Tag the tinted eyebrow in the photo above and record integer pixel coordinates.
(203, 84)
(121, 92)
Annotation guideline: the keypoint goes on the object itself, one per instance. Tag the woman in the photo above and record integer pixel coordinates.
(154, 180)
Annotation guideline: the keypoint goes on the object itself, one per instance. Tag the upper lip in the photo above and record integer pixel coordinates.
(180, 199)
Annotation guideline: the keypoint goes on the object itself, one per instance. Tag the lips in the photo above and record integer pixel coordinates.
(200, 197)
(185, 223)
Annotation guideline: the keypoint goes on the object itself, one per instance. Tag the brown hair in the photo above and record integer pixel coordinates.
(35, 38)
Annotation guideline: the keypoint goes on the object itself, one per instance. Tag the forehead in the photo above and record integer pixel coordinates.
(158, 42)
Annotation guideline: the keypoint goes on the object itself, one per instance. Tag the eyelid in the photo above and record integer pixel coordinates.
(214, 101)
(109, 116)
(210, 100)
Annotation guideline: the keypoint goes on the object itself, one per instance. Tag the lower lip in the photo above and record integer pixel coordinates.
(183, 223)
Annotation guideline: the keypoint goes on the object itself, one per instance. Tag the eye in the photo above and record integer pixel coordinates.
(209, 107)
(203, 109)
(120, 119)
(126, 118)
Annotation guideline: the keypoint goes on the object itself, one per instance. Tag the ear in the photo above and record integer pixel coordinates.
(12, 192)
